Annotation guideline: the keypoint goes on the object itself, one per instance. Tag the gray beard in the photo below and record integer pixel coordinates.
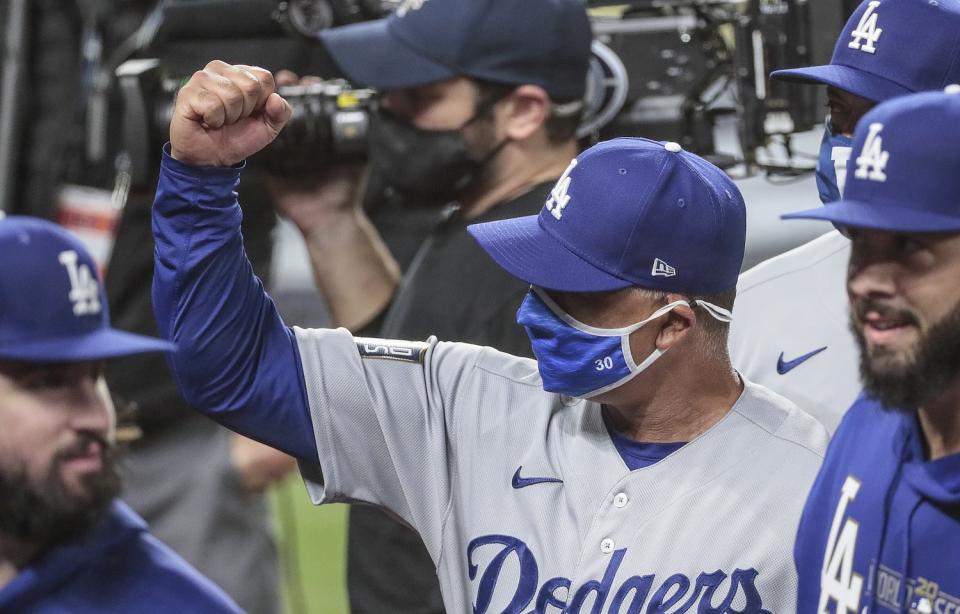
(48, 515)
(935, 365)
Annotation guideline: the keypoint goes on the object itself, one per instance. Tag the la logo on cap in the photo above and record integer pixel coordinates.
(558, 195)
(873, 159)
(84, 290)
(867, 34)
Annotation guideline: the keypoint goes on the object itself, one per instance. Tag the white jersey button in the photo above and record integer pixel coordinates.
(621, 499)
(672, 147)
(607, 546)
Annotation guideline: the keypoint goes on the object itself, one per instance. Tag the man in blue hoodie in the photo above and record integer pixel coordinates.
(881, 529)
(67, 545)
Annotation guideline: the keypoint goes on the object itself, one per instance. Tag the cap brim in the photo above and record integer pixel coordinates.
(859, 82)
(101, 344)
(525, 250)
(369, 54)
(858, 214)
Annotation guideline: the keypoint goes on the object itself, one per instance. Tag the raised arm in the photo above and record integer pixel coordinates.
(374, 417)
(237, 361)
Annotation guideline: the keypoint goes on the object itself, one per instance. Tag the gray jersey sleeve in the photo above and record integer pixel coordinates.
(384, 434)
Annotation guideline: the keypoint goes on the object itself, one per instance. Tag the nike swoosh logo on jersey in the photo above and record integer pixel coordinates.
(785, 366)
(519, 482)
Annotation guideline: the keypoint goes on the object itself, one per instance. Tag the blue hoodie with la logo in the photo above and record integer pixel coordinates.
(881, 529)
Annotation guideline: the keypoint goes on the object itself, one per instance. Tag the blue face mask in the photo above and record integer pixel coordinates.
(583, 361)
(832, 164)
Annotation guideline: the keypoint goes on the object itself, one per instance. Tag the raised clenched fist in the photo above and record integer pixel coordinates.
(225, 114)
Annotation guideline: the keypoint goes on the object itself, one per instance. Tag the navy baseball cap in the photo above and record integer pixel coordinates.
(903, 172)
(891, 48)
(537, 42)
(53, 307)
(628, 212)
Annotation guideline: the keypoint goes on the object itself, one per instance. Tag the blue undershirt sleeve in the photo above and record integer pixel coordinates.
(236, 361)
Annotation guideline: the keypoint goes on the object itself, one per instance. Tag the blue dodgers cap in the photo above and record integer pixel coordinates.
(890, 48)
(628, 212)
(53, 307)
(903, 171)
(537, 42)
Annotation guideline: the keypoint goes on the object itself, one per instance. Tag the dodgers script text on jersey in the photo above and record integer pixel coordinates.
(520, 495)
(875, 507)
(708, 592)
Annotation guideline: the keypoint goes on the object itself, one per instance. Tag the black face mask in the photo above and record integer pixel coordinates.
(430, 165)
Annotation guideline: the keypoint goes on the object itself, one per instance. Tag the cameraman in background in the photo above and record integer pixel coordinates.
(480, 102)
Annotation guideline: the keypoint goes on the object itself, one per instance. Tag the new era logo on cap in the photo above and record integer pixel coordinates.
(872, 161)
(662, 269)
(867, 34)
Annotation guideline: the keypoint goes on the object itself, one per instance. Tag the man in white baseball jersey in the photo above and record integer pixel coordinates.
(790, 328)
(628, 469)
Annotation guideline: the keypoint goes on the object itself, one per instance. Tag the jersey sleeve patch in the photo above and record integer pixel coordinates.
(389, 349)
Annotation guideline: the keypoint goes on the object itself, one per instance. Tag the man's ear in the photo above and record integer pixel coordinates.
(524, 112)
(677, 324)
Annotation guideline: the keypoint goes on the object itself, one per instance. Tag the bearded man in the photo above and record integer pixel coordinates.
(881, 529)
(66, 543)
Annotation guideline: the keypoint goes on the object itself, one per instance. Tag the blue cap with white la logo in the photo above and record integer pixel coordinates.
(891, 48)
(53, 307)
(628, 212)
(902, 174)
(536, 42)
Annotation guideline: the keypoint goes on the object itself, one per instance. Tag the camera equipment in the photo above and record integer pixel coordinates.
(329, 122)
(688, 62)
(773, 34)
(664, 69)
(330, 118)
(670, 57)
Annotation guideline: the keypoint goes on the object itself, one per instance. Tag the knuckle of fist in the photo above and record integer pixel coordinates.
(198, 77)
(207, 103)
(183, 93)
(233, 96)
(251, 88)
(262, 77)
